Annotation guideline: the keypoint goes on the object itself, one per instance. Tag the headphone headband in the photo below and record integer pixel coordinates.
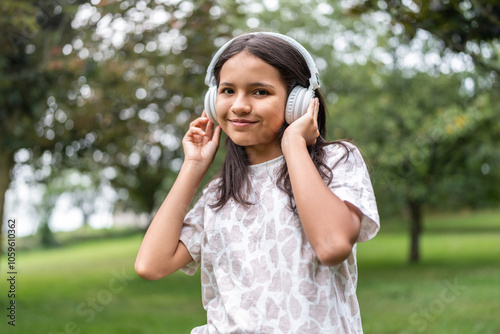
(314, 82)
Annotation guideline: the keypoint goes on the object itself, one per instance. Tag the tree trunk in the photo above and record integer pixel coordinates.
(6, 163)
(47, 238)
(415, 208)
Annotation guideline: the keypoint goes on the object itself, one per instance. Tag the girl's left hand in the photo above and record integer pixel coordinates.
(306, 127)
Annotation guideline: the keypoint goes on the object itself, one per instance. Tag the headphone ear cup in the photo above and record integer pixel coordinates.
(297, 103)
(210, 98)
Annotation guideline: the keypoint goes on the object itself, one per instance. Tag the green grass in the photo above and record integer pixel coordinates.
(91, 287)
(456, 288)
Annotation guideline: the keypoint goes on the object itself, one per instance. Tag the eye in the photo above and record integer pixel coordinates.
(226, 91)
(261, 92)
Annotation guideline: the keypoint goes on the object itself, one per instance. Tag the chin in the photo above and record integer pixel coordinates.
(242, 142)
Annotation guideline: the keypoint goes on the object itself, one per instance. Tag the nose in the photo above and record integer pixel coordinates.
(241, 105)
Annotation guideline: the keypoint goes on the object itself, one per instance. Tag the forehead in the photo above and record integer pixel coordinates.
(245, 65)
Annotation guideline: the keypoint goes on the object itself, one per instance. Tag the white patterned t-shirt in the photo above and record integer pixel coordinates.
(259, 274)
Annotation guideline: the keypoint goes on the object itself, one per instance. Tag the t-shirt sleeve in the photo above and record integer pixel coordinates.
(192, 234)
(351, 183)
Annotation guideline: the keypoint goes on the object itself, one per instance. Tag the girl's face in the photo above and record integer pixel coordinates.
(251, 104)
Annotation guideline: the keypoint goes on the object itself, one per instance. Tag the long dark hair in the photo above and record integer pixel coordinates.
(235, 181)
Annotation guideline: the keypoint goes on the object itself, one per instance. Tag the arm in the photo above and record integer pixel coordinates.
(161, 253)
(330, 224)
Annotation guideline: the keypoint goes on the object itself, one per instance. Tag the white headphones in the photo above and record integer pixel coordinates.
(299, 98)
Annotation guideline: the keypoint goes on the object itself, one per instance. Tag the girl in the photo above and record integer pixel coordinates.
(275, 233)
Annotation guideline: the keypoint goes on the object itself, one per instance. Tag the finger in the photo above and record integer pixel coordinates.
(204, 115)
(209, 129)
(316, 109)
(196, 131)
(200, 122)
(216, 135)
(310, 108)
(316, 112)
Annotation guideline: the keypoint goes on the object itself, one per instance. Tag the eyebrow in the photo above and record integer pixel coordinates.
(251, 85)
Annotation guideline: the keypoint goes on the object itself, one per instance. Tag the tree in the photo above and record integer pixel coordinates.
(32, 33)
(461, 135)
(426, 136)
(465, 26)
(148, 63)
(108, 85)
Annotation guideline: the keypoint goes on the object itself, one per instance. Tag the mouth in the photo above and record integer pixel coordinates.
(241, 122)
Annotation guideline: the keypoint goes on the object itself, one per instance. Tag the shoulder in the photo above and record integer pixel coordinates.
(213, 184)
(343, 152)
(210, 190)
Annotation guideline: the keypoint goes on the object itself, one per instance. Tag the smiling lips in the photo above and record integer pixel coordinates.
(241, 122)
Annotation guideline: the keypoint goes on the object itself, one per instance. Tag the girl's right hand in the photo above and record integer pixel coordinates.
(201, 141)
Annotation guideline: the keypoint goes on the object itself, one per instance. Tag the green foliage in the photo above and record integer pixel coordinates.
(75, 95)
(443, 128)
(31, 33)
(472, 27)
(29, 69)
(424, 137)
(145, 84)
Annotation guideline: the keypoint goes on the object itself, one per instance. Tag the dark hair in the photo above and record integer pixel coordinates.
(294, 71)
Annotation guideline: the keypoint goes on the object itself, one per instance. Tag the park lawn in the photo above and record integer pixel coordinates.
(455, 288)
(91, 287)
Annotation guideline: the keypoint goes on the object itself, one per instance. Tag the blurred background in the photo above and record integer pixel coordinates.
(95, 97)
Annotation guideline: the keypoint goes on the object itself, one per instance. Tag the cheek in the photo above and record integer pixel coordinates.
(221, 109)
(272, 126)
(219, 106)
(278, 118)
(276, 124)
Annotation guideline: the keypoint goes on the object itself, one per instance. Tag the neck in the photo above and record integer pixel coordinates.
(256, 156)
